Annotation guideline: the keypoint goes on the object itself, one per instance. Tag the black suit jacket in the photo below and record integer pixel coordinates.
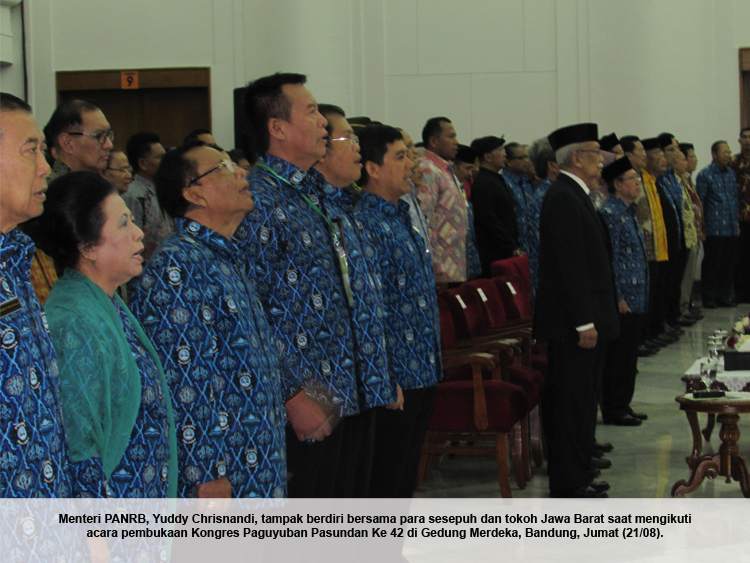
(576, 285)
(495, 222)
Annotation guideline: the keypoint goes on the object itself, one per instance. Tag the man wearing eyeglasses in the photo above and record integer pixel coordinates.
(521, 186)
(145, 152)
(630, 268)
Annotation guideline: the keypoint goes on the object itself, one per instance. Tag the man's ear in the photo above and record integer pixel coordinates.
(277, 128)
(373, 170)
(88, 252)
(194, 196)
(64, 142)
(141, 164)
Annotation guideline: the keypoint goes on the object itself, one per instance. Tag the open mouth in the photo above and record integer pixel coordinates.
(41, 194)
(138, 254)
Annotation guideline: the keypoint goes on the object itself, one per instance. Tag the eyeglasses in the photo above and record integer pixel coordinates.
(127, 169)
(597, 152)
(637, 179)
(228, 164)
(353, 139)
(102, 136)
(524, 157)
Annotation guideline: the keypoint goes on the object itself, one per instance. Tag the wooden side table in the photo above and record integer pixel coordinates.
(729, 462)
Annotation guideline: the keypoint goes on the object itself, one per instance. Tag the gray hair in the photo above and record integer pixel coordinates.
(540, 153)
(564, 155)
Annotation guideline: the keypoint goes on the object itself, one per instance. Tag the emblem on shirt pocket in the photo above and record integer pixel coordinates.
(187, 434)
(183, 355)
(174, 275)
(251, 458)
(245, 381)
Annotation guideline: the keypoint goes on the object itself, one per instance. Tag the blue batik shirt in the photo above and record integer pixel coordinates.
(534, 219)
(629, 258)
(718, 192)
(672, 187)
(289, 248)
(367, 311)
(473, 263)
(34, 457)
(200, 311)
(523, 192)
(413, 322)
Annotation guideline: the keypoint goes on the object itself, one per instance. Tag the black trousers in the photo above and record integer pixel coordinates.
(676, 273)
(654, 324)
(569, 410)
(399, 436)
(620, 367)
(742, 270)
(333, 467)
(717, 268)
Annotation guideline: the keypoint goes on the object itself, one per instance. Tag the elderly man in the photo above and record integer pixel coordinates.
(741, 166)
(307, 283)
(341, 167)
(576, 310)
(198, 307)
(443, 202)
(630, 269)
(495, 219)
(411, 309)
(145, 152)
(717, 188)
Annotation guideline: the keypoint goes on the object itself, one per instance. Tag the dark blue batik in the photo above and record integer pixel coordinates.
(198, 307)
(672, 187)
(409, 287)
(367, 311)
(522, 189)
(534, 219)
(629, 258)
(717, 189)
(34, 458)
(299, 281)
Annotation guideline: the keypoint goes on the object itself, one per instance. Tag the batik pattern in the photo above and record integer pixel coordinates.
(718, 192)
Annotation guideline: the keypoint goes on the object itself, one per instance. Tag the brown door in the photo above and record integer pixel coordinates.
(170, 102)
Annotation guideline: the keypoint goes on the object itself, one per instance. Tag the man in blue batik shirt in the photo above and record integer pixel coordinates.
(341, 168)
(34, 457)
(630, 269)
(200, 310)
(521, 187)
(411, 305)
(717, 187)
(306, 282)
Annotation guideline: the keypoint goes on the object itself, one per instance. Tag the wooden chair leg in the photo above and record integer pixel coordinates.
(501, 454)
(535, 435)
(516, 444)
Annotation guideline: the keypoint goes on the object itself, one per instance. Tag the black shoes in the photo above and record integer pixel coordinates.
(580, 492)
(624, 420)
(726, 303)
(599, 486)
(638, 415)
(684, 321)
(605, 447)
(601, 463)
(646, 351)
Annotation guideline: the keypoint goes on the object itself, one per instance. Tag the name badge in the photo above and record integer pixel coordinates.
(10, 306)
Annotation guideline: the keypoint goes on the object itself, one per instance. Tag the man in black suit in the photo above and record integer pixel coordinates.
(494, 207)
(576, 310)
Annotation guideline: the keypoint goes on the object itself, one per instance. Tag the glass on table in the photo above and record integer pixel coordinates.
(709, 371)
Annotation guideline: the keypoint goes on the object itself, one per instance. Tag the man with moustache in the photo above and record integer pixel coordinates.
(576, 310)
(443, 202)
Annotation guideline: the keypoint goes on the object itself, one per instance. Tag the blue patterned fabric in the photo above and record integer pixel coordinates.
(290, 249)
(534, 219)
(672, 187)
(34, 457)
(629, 258)
(718, 192)
(473, 263)
(198, 307)
(405, 267)
(523, 192)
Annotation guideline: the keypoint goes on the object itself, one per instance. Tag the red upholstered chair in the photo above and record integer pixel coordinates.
(516, 298)
(469, 414)
(517, 266)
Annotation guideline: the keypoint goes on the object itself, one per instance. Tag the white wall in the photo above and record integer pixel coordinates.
(519, 68)
(11, 49)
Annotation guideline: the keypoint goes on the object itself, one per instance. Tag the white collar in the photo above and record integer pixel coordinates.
(578, 181)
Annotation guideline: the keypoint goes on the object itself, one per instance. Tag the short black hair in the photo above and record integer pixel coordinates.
(194, 134)
(264, 100)
(330, 109)
(686, 147)
(510, 147)
(373, 144)
(628, 142)
(236, 155)
(665, 139)
(73, 217)
(433, 128)
(716, 145)
(175, 173)
(139, 146)
(65, 118)
(9, 102)
(743, 130)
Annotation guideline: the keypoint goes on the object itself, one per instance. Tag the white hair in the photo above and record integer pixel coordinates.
(564, 155)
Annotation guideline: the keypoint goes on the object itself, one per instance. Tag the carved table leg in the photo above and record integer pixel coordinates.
(695, 429)
(730, 435)
(740, 473)
(707, 466)
(709, 426)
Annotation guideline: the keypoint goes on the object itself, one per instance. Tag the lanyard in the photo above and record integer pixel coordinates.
(337, 245)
